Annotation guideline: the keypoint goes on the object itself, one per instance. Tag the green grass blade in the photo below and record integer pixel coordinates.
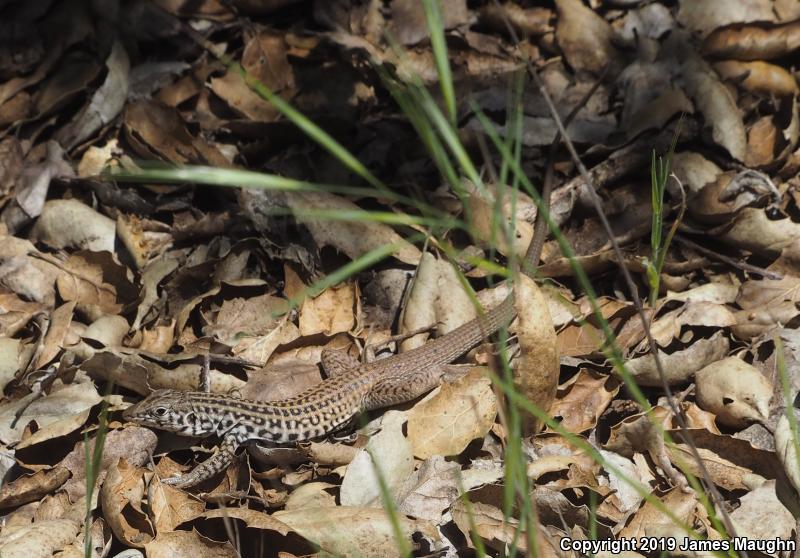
(433, 15)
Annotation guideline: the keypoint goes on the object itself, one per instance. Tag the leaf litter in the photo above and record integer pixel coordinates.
(158, 285)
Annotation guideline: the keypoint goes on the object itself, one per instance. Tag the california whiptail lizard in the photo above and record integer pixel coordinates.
(350, 390)
(318, 411)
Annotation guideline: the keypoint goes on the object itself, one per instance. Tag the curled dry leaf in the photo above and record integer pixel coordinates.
(311, 495)
(134, 443)
(585, 37)
(351, 531)
(715, 102)
(12, 358)
(758, 77)
(121, 498)
(731, 462)
(56, 333)
(445, 422)
(538, 366)
(753, 230)
(431, 489)
(648, 517)
(703, 16)
(482, 216)
(420, 308)
(786, 449)
(693, 171)
(735, 391)
(40, 538)
(71, 224)
(54, 415)
(387, 453)
(353, 238)
(168, 506)
(678, 366)
(186, 544)
(754, 322)
(331, 312)
(761, 502)
(585, 397)
(755, 41)
(29, 488)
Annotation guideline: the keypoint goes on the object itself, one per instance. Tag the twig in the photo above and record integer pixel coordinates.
(744, 266)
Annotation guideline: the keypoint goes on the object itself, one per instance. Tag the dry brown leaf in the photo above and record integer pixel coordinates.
(410, 26)
(704, 16)
(486, 521)
(30, 488)
(169, 507)
(449, 419)
(389, 453)
(680, 365)
(482, 214)
(735, 391)
(419, 310)
(786, 450)
(41, 538)
(121, 497)
(756, 41)
(71, 224)
(134, 443)
(584, 37)
(583, 399)
(530, 22)
(758, 77)
(762, 138)
(753, 230)
(331, 312)
(718, 107)
(53, 343)
(731, 463)
(56, 414)
(350, 531)
(353, 238)
(187, 544)
(754, 322)
(431, 489)
(760, 503)
(311, 495)
(644, 521)
(538, 366)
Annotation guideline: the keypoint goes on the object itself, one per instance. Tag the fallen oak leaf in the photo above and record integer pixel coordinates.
(445, 422)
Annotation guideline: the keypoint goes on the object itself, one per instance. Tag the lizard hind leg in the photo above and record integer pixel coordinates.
(404, 387)
(335, 363)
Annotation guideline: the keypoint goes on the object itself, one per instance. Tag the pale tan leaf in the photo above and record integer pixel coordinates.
(187, 544)
(348, 531)
(735, 391)
(387, 453)
(449, 419)
(121, 497)
(538, 366)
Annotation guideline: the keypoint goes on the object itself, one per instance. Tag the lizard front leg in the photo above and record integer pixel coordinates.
(211, 466)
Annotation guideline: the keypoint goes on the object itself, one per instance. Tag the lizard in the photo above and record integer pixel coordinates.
(333, 403)
(322, 409)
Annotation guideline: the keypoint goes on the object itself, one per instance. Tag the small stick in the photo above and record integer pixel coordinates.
(744, 266)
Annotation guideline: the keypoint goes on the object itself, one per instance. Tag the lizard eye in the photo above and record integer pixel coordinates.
(160, 411)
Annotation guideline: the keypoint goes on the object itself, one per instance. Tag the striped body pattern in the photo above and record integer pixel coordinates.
(318, 411)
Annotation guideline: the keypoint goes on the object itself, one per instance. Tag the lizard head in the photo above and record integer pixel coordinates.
(170, 410)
